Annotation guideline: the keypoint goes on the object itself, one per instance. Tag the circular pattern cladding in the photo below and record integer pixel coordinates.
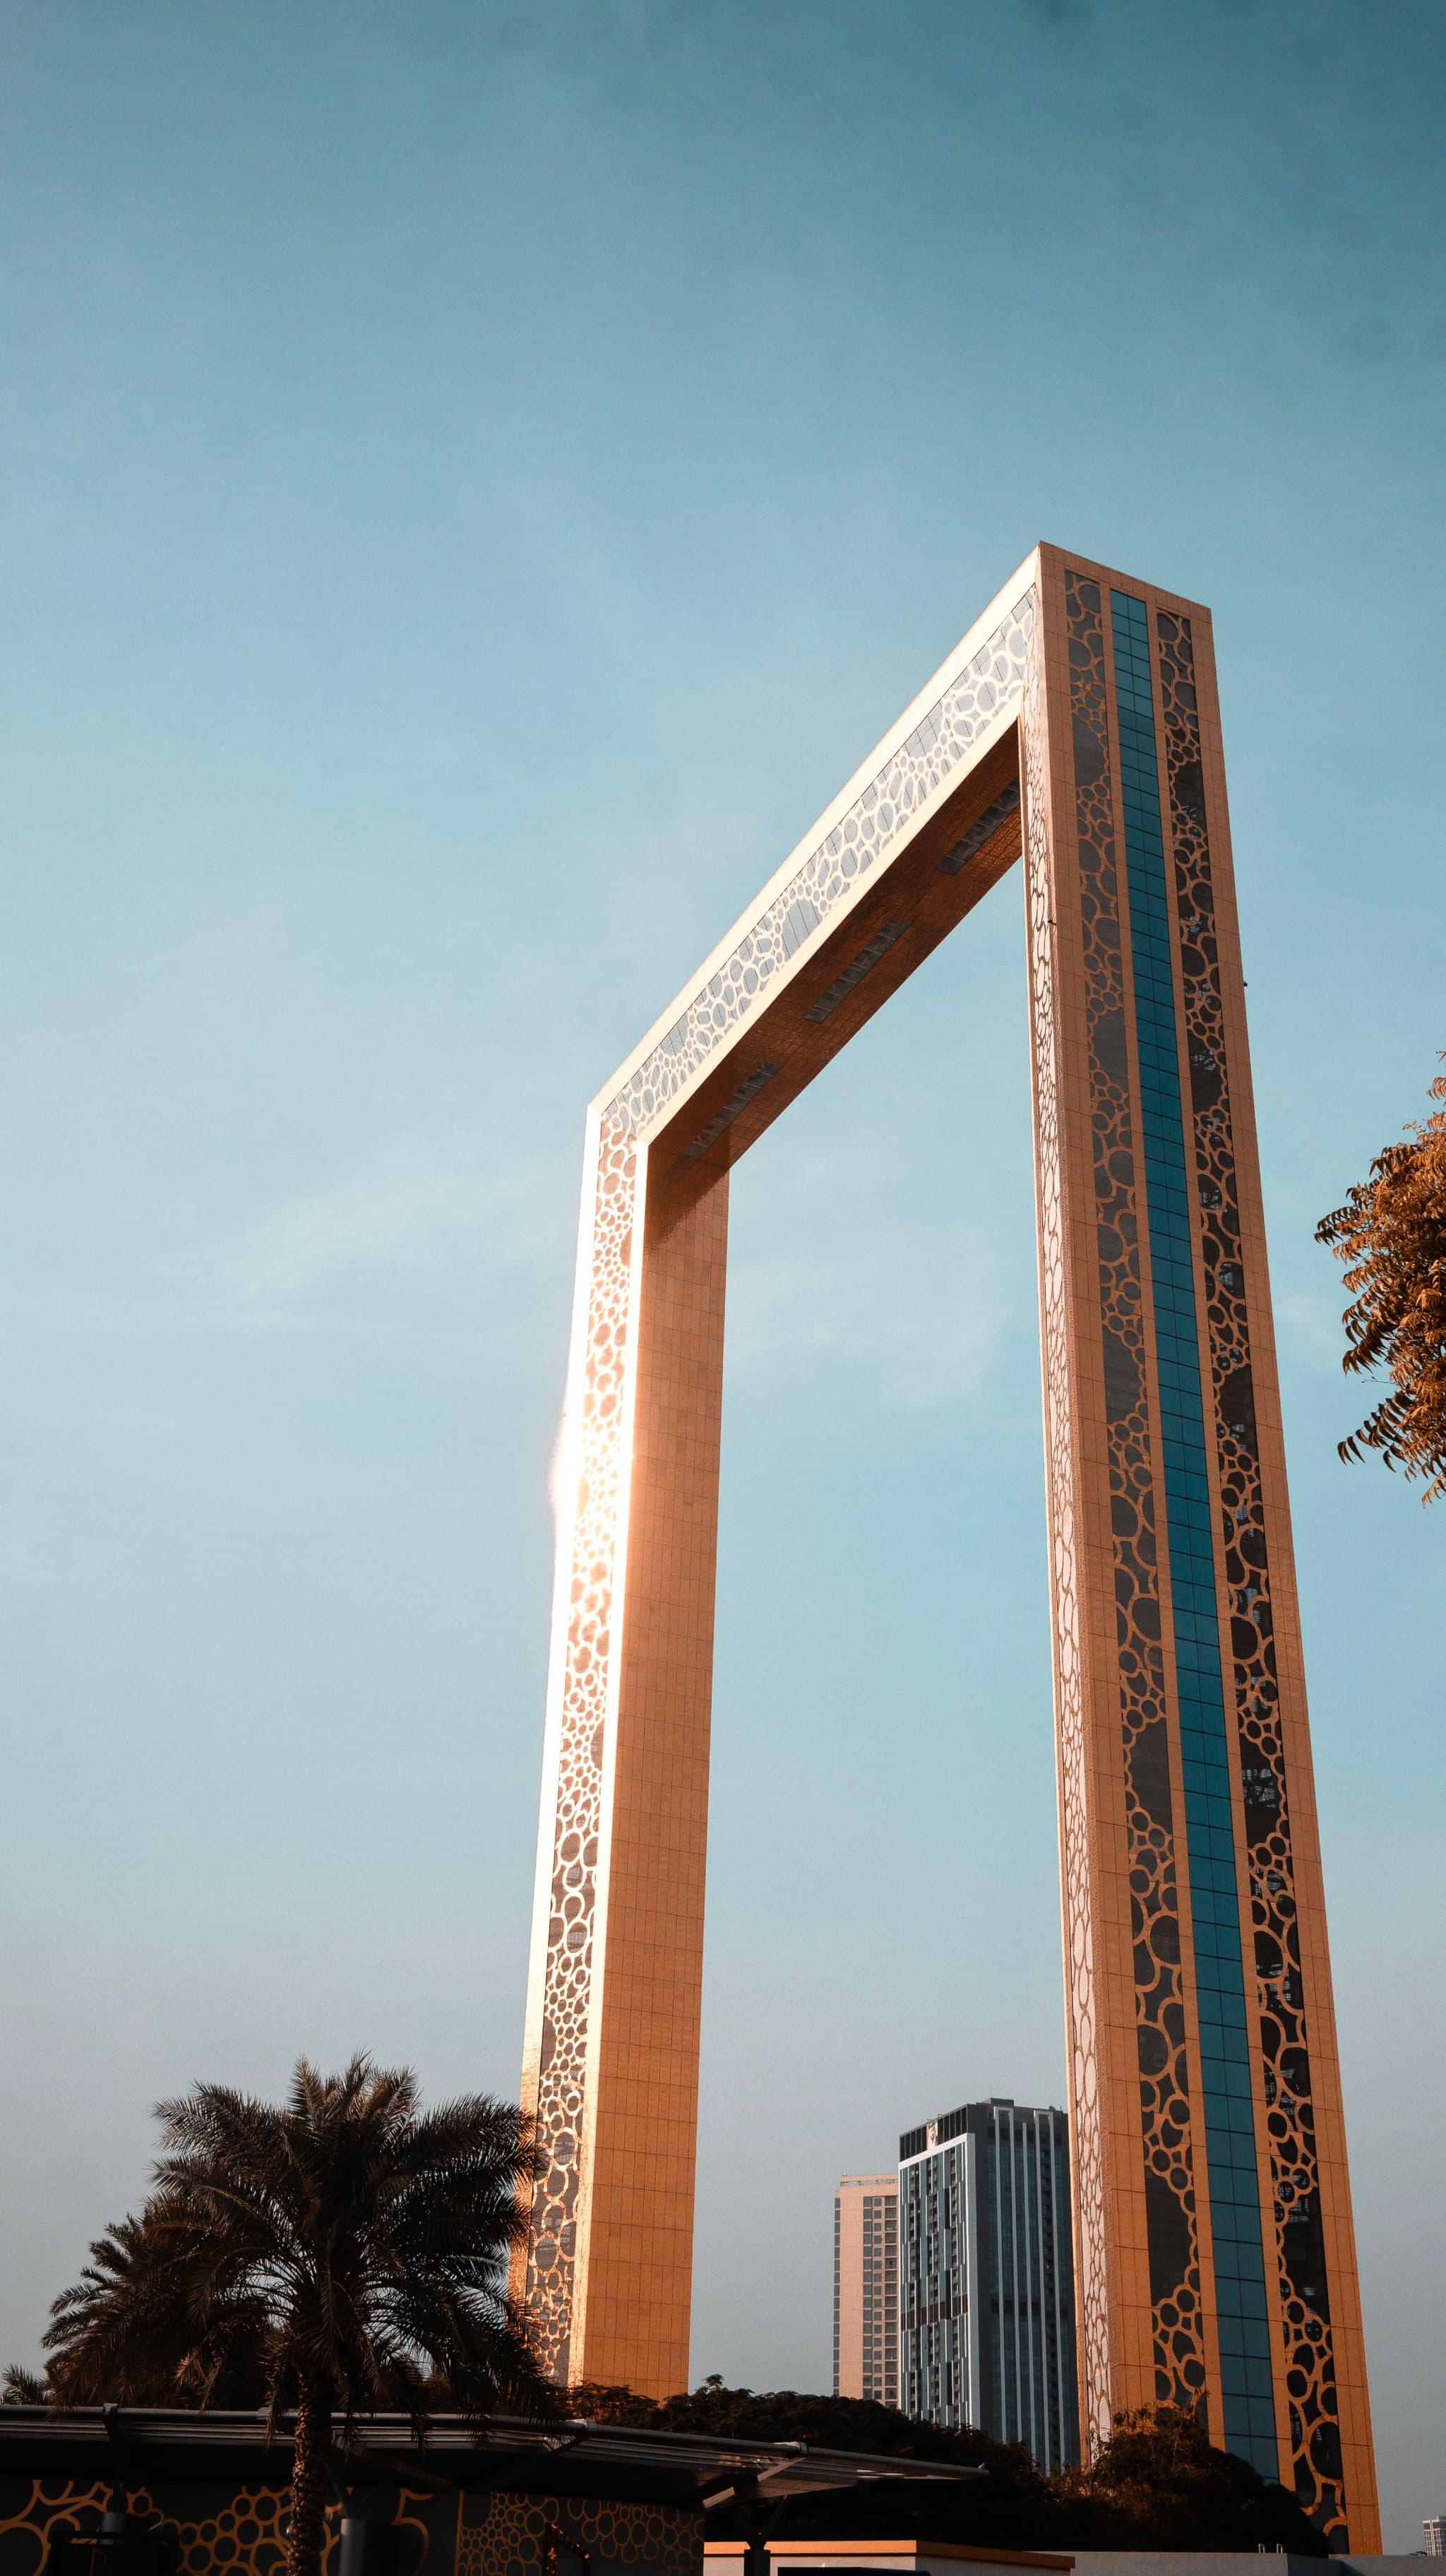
(529, 2535)
(1171, 2235)
(1093, 2327)
(973, 701)
(558, 2110)
(1290, 2118)
(248, 2532)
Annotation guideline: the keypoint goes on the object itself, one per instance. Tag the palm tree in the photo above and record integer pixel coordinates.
(1391, 1233)
(152, 2320)
(21, 2387)
(340, 2253)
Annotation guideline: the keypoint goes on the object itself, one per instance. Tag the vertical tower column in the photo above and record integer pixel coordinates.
(1215, 2258)
(610, 2071)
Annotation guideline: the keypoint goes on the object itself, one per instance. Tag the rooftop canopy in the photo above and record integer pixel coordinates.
(574, 2457)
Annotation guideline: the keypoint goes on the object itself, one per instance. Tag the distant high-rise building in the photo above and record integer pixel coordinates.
(1433, 2532)
(986, 2288)
(866, 2287)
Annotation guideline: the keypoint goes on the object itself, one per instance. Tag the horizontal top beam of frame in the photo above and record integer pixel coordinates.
(925, 825)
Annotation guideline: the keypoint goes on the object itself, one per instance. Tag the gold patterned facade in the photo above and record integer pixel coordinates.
(242, 2527)
(1077, 723)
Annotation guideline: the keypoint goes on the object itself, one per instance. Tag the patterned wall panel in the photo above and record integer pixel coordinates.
(34, 2510)
(242, 2531)
(518, 2535)
(1284, 2038)
(239, 2530)
(1077, 1893)
(882, 816)
(1177, 2329)
(555, 2095)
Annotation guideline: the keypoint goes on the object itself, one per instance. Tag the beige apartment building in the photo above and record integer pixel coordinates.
(866, 2287)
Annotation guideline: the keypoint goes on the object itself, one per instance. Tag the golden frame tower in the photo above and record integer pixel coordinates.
(1214, 2252)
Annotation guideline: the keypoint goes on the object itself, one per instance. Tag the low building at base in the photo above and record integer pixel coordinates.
(106, 2491)
(881, 2558)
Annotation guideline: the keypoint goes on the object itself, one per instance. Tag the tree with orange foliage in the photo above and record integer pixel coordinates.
(1391, 1234)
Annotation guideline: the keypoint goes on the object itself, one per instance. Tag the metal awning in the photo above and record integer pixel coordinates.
(576, 2456)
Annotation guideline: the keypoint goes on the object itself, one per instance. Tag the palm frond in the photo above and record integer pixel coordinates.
(21, 2387)
(342, 2248)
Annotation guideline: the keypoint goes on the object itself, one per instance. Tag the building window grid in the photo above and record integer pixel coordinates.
(1244, 2334)
(1020, 2265)
(1031, 2341)
(878, 2297)
(837, 2269)
(1023, 2236)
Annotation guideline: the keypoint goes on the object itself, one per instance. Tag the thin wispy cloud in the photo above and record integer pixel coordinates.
(322, 1243)
(844, 1265)
(437, 1258)
(1312, 1328)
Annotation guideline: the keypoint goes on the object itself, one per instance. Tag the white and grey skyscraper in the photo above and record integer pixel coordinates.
(986, 2290)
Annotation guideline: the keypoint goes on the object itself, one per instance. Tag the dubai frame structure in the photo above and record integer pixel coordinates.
(1077, 724)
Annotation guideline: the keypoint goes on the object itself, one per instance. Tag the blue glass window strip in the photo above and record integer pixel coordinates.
(1249, 2406)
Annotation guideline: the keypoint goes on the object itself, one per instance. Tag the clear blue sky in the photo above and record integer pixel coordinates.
(476, 479)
